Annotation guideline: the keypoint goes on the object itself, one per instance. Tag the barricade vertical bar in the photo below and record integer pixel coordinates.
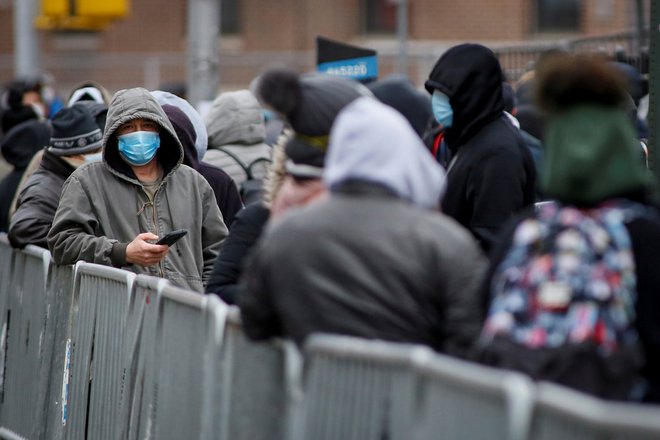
(6, 263)
(466, 400)
(138, 400)
(357, 389)
(7, 255)
(216, 312)
(293, 366)
(60, 295)
(253, 386)
(179, 368)
(179, 362)
(22, 411)
(101, 300)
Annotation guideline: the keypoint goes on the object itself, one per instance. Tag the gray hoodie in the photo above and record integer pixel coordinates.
(235, 123)
(103, 205)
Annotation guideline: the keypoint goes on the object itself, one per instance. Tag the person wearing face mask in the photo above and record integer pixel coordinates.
(98, 112)
(112, 212)
(491, 175)
(75, 140)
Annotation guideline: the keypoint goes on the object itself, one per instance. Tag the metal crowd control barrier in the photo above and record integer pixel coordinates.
(562, 413)
(464, 400)
(27, 364)
(189, 328)
(108, 354)
(95, 366)
(253, 390)
(358, 389)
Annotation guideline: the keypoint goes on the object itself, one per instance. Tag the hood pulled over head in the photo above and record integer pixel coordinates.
(591, 152)
(235, 118)
(471, 76)
(201, 136)
(372, 142)
(138, 103)
(24, 140)
(185, 132)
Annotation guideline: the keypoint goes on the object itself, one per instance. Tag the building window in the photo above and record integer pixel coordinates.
(230, 17)
(558, 15)
(379, 16)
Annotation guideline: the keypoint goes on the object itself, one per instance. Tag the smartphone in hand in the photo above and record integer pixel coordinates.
(172, 237)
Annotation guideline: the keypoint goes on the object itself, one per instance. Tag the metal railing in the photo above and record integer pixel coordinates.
(622, 46)
(96, 352)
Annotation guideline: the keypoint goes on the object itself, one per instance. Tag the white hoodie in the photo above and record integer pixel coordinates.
(389, 153)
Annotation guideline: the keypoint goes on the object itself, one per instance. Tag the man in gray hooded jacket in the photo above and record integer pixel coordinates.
(111, 212)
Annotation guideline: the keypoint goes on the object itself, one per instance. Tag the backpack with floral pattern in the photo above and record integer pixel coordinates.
(563, 300)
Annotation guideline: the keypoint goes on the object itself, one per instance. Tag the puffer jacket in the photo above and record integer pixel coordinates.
(235, 123)
(104, 206)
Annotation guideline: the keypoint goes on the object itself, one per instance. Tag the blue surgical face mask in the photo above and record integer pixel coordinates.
(442, 109)
(268, 115)
(139, 147)
(94, 157)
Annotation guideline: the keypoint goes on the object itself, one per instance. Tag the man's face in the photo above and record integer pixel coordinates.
(139, 124)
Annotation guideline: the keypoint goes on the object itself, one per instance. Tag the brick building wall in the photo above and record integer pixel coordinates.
(148, 47)
(470, 19)
(293, 24)
(601, 16)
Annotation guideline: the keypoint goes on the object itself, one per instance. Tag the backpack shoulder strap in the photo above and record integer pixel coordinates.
(257, 161)
(234, 156)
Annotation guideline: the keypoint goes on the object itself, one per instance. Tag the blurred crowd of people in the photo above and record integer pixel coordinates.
(512, 224)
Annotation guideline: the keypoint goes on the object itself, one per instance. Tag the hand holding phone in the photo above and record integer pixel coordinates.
(172, 237)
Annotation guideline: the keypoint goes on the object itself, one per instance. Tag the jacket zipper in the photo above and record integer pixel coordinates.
(161, 269)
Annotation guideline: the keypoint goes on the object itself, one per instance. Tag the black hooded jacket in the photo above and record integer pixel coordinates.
(38, 202)
(18, 147)
(492, 175)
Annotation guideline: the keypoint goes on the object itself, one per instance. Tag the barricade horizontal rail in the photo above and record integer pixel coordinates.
(96, 352)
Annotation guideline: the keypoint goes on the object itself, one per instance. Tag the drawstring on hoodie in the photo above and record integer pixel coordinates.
(144, 206)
